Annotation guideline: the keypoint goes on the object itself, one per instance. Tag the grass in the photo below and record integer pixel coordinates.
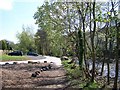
(12, 58)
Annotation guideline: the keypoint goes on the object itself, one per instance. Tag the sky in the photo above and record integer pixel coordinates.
(14, 14)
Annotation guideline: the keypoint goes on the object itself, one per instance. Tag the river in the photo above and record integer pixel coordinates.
(98, 66)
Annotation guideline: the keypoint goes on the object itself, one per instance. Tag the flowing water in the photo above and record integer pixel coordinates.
(98, 66)
(112, 69)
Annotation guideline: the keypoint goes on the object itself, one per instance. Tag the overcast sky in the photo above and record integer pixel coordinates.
(16, 13)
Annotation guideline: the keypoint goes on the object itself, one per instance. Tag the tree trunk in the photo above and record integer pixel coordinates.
(92, 42)
(102, 69)
(108, 80)
(84, 44)
(80, 40)
(107, 55)
(117, 48)
(80, 46)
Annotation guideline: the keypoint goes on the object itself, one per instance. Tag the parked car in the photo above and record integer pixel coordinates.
(16, 53)
(32, 54)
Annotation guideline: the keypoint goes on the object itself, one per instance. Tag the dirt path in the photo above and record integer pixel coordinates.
(19, 76)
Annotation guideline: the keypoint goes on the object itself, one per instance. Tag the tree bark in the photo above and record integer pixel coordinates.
(92, 42)
(102, 69)
(117, 48)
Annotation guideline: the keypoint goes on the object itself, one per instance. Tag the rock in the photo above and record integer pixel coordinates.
(6, 63)
(41, 70)
(15, 62)
(44, 68)
(37, 72)
(45, 61)
(64, 58)
(33, 75)
(49, 66)
(30, 61)
(34, 63)
(51, 63)
(70, 62)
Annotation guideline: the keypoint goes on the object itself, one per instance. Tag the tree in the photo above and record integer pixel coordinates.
(117, 25)
(4, 45)
(49, 19)
(0, 45)
(41, 42)
(82, 9)
(78, 27)
(26, 40)
(93, 44)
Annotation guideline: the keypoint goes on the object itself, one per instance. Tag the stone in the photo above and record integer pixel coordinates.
(33, 75)
(30, 61)
(7, 63)
(45, 61)
(37, 72)
(64, 58)
(41, 70)
(49, 66)
(15, 62)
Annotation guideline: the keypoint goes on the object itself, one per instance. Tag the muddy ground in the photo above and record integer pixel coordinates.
(19, 76)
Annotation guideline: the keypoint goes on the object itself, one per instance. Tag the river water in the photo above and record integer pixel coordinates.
(98, 66)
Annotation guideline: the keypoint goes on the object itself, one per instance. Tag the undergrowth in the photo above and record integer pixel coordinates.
(76, 77)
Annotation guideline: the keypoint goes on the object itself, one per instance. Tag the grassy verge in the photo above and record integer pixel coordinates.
(12, 58)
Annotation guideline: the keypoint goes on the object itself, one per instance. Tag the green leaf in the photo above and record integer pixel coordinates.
(109, 13)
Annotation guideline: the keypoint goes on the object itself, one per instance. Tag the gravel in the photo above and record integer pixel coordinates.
(19, 76)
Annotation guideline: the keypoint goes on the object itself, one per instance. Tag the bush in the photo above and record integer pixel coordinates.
(93, 85)
(73, 73)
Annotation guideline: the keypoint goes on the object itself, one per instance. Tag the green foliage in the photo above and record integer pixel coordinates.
(92, 85)
(58, 26)
(76, 73)
(42, 42)
(26, 40)
(7, 45)
(72, 73)
(50, 25)
(4, 45)
(77, 28)
(0, 45)
(11, 46)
